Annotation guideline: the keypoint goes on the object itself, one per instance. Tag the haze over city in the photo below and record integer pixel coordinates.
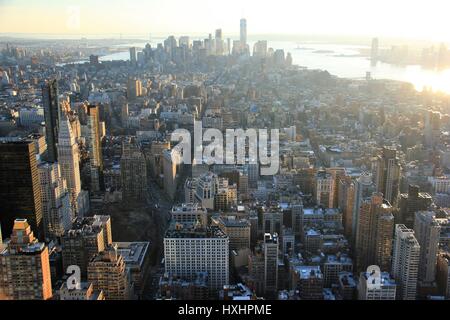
(418, 19)
(207, 150)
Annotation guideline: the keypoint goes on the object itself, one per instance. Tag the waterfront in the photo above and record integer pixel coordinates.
(343, 61)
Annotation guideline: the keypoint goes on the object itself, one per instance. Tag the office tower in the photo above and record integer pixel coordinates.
(68, 159)
(85, 291)
(25, 265)
(260, 49)
(432, 130)
(20, 192)
(374, 54)
(427, 231)
(270, 263)
(388, 174)
(243, 35)
(376, 285)
(50, 102)
(346, 199)
(188, 251)
(279, 57)
(133, 56)
(87, 237)
(443, 273)
(134, 89)
(57, 212)
(171, 160)
(184, 41)
(364, 188)
(133, 169)
(374, 233)
(95, 148)
(308, 280)
(410, 203)
(107, 272)
(219, 42)
(189, 214)
(324, 190)
(405, 262)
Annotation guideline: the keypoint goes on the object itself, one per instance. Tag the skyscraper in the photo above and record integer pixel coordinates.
(410, 203)
(133, 169)
(243, 35)
(427, 231)
(56, 209)
(25, 265)
(388, 174)
(374, 233)
(219, 42)
(364, 188)
(95, 148)
(20, 192)
(405, 262)
(270, 263)
(68, 158)
(51, 115)
(133, 56)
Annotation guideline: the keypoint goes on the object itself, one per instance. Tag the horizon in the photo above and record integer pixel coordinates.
(348, 18)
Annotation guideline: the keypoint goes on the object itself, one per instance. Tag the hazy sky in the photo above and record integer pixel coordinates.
(424, 19)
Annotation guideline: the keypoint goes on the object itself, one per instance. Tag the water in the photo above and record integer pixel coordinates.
(340, 60)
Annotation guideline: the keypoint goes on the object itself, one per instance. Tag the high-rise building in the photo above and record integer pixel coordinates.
(107, 272)
(443, 273)
(133, 170)
(324, 189)
(388, 174)
(57, 212)
(87, 237)
(427, 231)
(405, 262)
(364, 188)
(410, 203)
(24, 265)
(95, 148)
(374, 233)
(20, 191)
(171, 160)
(270, 263)
(68, 159)
(243, 35)
(188, 251)
(346, 199)
(219, 42)
(50, 101)
(432, 130)
(376, 285)
(133, 55)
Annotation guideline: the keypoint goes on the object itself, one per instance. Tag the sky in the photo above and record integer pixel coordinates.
(416, 19)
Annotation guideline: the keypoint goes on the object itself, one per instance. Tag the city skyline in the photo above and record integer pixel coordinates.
(346, 18)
